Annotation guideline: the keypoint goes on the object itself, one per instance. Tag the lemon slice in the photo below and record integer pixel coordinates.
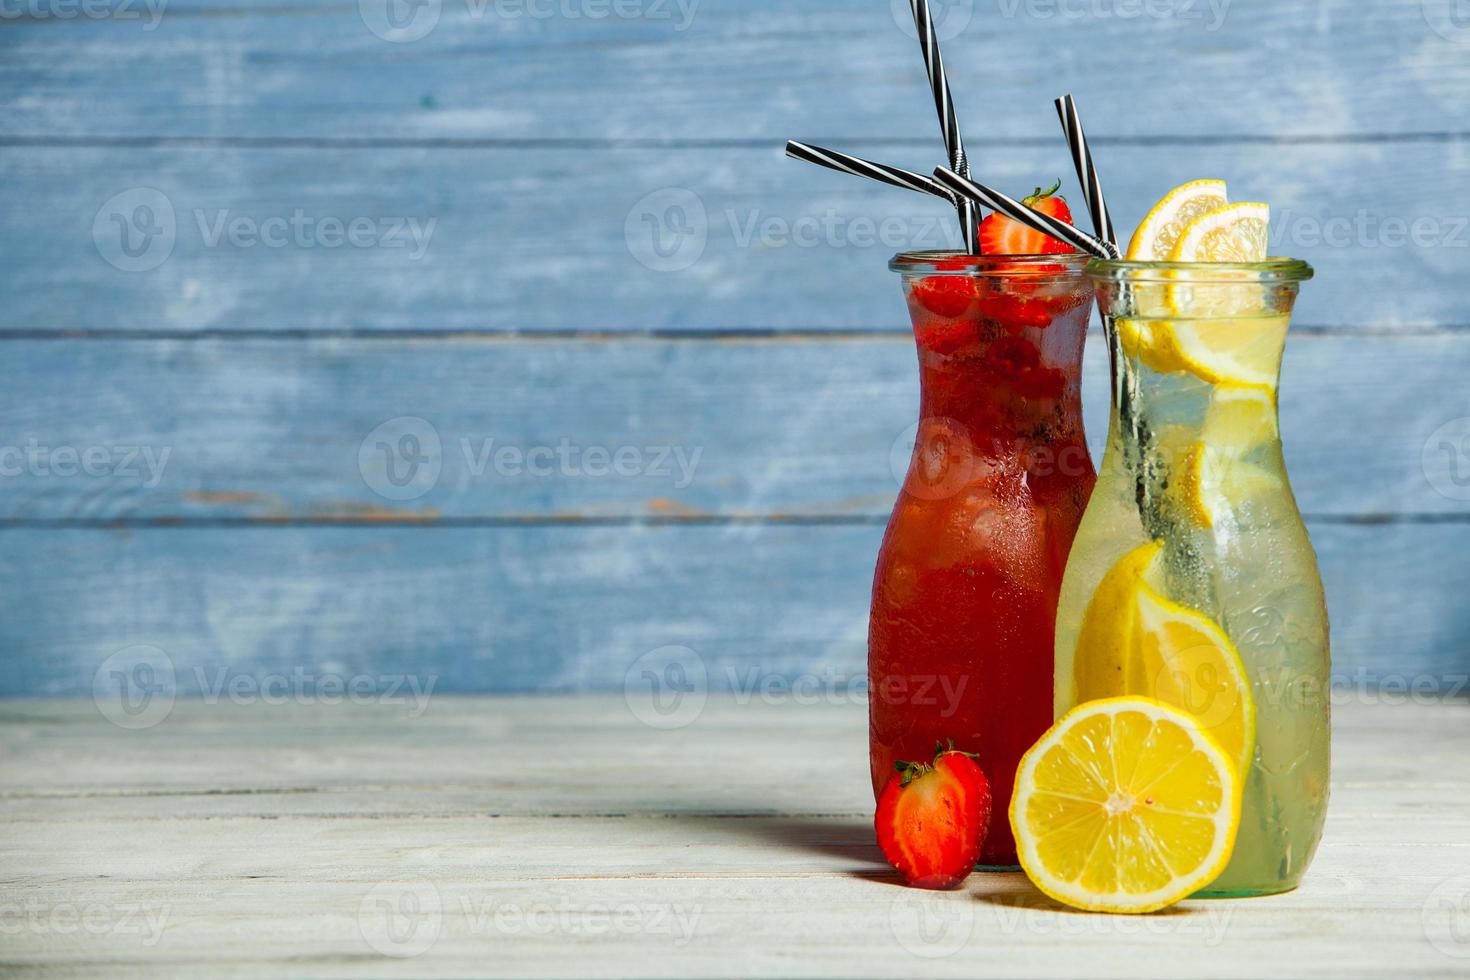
(1149, 341)
(1216, 476)
(1215, 484)
(1241, 418)
(1104, 667)
(1134, 641)
(1233, 233)
(1187, 662)
(1155, 239)
(1243, 352)
(1126, 805)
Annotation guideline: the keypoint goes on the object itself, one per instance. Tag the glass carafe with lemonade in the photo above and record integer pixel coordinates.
(1192, 580)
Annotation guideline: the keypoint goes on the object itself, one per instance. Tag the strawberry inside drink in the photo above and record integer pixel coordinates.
(965, 594)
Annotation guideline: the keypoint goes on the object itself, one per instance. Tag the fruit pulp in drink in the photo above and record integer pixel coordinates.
(965, 591)
(1194, 476)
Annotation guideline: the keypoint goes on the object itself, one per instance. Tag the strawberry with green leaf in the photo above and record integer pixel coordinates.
(933, 817)
(1000, 235)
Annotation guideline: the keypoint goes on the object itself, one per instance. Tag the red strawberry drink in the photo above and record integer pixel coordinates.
(965, 594)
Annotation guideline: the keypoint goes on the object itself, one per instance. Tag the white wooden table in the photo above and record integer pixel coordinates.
(565, 837)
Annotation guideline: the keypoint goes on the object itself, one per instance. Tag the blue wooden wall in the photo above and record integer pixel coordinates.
(498, 343)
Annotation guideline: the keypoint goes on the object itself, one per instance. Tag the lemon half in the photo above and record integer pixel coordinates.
(1126, 805)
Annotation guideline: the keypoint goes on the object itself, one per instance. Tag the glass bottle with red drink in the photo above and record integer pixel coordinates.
(960, 643)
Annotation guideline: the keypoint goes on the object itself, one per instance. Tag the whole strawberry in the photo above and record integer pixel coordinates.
(932, 819)
(1000, 235)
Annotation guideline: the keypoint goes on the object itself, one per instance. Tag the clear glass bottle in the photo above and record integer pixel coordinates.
(1192, 566)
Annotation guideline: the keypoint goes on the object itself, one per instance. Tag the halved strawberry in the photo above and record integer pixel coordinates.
(941, 336)
(1000, 235)
(1017, 362)
(946, 296)
(932, 819)
(1013, 312)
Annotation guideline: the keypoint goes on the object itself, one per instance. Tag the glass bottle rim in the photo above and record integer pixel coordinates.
(1068, 266)
(1272, 270)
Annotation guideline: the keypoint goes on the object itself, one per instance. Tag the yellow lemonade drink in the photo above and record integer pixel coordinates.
(1192, 579)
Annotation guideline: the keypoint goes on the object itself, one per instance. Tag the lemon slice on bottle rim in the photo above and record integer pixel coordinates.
(1230, 335)
(1162, 227)
(1126, 805)
(1231, 233)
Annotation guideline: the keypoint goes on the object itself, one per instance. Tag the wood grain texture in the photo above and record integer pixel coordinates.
(266, 840)
(538, 239)
(733, 70)
(506, 609)
(810, 427)
(551, 154)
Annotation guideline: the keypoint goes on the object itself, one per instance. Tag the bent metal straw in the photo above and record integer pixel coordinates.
(948, 122)
(1030, 217)
(847, 164)
(1125, 400)
(1102, 221)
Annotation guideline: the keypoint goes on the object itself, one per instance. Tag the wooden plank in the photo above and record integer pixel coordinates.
(63, 757)
(476, 609)
(292, 430)
(686, 69)
(535, 239)
(712, 867)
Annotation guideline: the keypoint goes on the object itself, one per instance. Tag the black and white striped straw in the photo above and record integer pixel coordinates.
(848, 164)
(1102, 221)
(948, 122)
(1030, 217)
